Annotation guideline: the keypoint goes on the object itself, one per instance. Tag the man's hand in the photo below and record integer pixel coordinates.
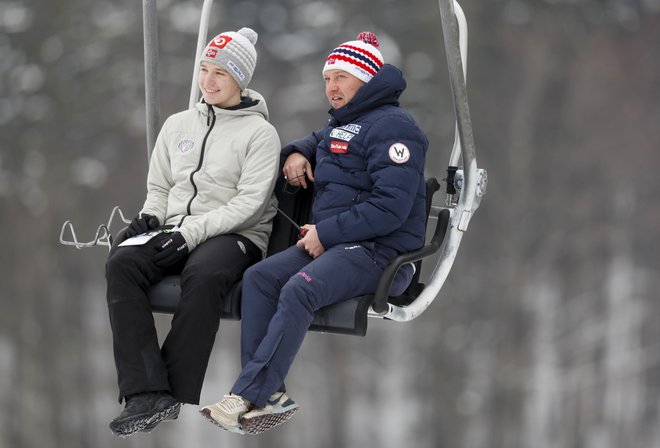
(310, 241)
(141, 223)
(296, 168)
(171, 250)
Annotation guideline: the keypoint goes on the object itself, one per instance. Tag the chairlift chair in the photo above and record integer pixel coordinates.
(465, 188)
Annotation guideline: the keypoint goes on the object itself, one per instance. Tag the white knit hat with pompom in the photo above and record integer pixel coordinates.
(234, 51)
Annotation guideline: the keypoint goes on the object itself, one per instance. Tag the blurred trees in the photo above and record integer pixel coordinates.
(543, 335)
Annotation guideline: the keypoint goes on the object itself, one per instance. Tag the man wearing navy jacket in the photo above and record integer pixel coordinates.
(367, 165)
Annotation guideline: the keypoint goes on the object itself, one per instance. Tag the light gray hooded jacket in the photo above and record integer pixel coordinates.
(213, 172)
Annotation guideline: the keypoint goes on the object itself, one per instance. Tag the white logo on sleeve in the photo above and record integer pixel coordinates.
(399, 153)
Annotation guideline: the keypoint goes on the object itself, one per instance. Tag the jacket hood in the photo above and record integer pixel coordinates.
(383, 89)
(259, 108)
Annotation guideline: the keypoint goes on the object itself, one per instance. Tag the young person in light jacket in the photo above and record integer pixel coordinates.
(210, 194)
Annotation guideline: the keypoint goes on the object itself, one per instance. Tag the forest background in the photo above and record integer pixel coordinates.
(544, 334)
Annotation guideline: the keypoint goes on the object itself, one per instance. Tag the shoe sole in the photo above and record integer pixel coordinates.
(152, 424)
(130, 427)
(139, 424)
(207, 415)
(262, 423)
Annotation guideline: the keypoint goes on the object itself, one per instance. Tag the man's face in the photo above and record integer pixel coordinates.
(340, 87)
(217, 86)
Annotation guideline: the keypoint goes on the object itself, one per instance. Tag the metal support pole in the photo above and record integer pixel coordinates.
(455, 157)
(450, 33)
(201, 44)
(151, 88)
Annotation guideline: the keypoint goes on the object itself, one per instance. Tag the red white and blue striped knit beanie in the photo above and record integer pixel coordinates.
(234, 51)
(360, 57)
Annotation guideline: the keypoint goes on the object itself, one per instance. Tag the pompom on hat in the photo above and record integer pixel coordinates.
(360, 57)
(234, 51)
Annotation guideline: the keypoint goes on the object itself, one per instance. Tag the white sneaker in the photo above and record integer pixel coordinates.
(278, 409)
(227, 413)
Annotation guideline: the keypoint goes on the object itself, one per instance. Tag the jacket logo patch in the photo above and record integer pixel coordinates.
(399, 153)
(354, 128)
(186, 145)
(341, 134)
(339, 147)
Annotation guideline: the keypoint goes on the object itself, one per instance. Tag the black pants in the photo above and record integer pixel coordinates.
(207, 275)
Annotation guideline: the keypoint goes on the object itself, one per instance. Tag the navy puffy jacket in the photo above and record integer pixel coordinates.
(369, 169)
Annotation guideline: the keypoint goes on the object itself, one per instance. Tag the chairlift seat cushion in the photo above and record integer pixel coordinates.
(349, 317)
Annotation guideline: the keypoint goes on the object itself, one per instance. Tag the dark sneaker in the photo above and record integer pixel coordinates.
(172, 416)
(278, 409)
(143, 410)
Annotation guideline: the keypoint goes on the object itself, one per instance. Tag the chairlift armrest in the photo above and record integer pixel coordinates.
(381, 296)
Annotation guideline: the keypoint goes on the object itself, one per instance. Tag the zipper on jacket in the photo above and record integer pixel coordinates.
(210, 121)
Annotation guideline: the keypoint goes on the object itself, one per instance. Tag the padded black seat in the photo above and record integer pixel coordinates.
(348, 317)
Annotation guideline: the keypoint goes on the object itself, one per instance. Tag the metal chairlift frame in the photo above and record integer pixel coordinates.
(466, 186)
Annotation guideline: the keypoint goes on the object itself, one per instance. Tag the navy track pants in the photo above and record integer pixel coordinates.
(280, 295)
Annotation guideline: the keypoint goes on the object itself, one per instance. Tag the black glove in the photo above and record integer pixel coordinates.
(171, 250)
(141, 223)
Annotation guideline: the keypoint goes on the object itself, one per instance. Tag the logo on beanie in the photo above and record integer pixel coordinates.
(211, 52)
(186, 145)
(234, 68)
(399, 153)
(220, 41)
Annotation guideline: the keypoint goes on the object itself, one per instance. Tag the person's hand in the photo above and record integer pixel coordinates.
(296, 168)
(141, 223)
(171, 250)
(310, 241)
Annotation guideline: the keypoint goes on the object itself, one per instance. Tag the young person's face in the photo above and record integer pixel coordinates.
(217, 86)
(340, 87)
